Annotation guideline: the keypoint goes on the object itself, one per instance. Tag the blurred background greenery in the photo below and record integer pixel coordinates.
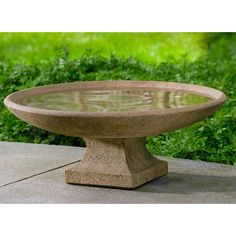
(32, 59)
(154, 47)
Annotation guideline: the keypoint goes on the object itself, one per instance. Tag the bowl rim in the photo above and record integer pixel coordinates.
(217, 96)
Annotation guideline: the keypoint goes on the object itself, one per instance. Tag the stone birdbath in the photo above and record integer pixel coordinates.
(114, 118)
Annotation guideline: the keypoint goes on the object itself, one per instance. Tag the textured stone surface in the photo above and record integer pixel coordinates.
(187, 182)
(21, 160)
(113, 125)
(123, 163)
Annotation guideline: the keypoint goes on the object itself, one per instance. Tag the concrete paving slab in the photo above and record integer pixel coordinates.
(187, 182)
(22, 160)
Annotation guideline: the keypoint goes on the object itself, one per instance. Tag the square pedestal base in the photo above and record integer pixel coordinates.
(77, 175)
(120, 163)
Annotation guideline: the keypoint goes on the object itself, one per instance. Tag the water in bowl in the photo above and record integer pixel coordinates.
(113, 100)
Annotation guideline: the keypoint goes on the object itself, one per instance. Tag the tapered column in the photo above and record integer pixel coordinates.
(122, 163)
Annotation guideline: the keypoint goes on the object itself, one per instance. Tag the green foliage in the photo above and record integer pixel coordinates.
(154, 47)
(210, 140)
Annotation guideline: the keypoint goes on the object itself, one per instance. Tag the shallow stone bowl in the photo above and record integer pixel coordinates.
(116, 155)
(115, 124)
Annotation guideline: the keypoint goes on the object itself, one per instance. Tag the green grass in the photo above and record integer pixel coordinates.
(211, 140)
(154, 47)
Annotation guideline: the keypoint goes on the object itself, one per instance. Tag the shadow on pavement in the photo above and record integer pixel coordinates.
(177, 183)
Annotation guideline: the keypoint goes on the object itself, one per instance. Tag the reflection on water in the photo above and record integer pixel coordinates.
(118, 100)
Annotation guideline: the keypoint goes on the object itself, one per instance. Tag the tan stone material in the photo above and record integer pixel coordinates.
(123, 163)
(116, 155)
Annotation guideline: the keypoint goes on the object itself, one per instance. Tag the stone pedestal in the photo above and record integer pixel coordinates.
(121, 163)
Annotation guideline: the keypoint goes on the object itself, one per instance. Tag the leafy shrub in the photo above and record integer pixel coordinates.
(210, 140)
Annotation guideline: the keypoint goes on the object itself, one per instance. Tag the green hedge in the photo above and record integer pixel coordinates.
(210, 140)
